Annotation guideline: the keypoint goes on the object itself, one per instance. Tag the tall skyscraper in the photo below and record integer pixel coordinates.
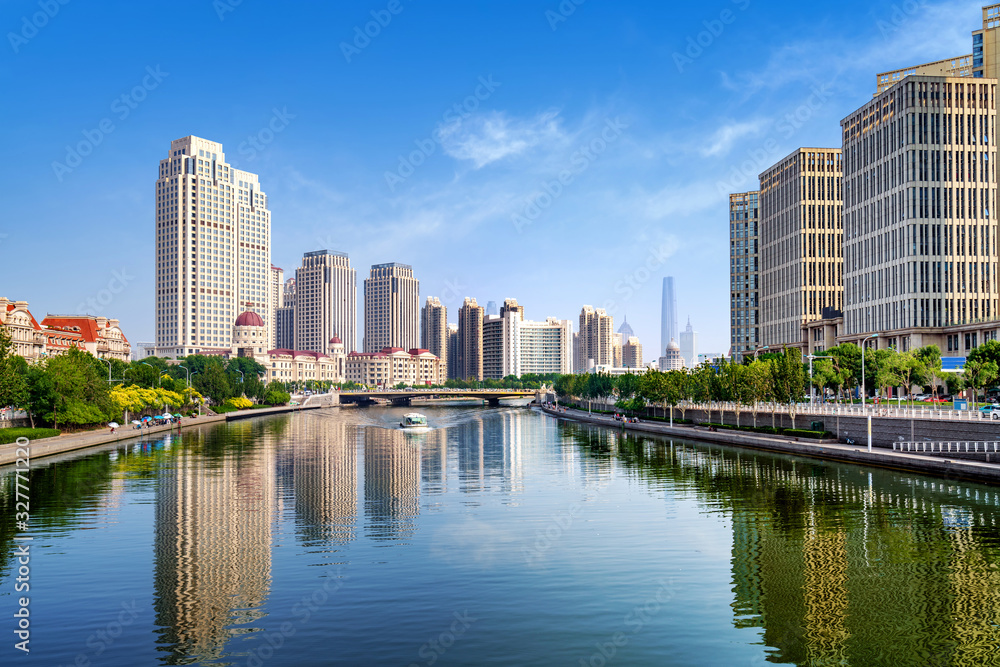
(801, 237)
(744, 275)
(689, 346)
(668, 314)
(285, 317)
(326, 288)
(453, 373)
(470, 340)
(626, 330)
(392, 308)
(213, 248)
(920, 253)
(434, 330)
(502, 341)
(276, 291)
(594, 343)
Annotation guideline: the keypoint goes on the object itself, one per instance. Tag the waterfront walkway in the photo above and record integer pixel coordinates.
(880, 457)
(74, 441)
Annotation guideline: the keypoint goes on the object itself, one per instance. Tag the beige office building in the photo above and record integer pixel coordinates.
(801, 243)
(213, 248)
(920, 215)
(326, 288)
(392, 308)
(469, 364)
(594, 344)
(744, 276)
(434, 329)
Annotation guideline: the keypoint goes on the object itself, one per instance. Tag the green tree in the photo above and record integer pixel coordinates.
(759, 379)
(275, 394)
(213, 383)
(626, 388)
(13, 390)
(930, 358)
(848, 363)
(789, 380)
(978, 373)
(735, 383)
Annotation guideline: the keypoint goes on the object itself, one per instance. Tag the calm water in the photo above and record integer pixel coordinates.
(501, 536)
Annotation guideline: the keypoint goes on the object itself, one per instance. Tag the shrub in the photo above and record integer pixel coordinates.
(8, 435)
(238, 403)
(801, 433)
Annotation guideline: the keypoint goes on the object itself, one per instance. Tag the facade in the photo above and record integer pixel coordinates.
(434, 329)
(493, 347)
(689, 346)
(744, 274)
(277, 295)
(632, 353)
(393, 365)
(668, 314)
(452, 367)
(594, 344)
(801, 243)
(326, 290)
(285, 317)
(392, 308)
(142, 350)
(671, 359)
(469, 364)
(921, 248)
(544, 347)
(100, 336)
(213, 248)
(960, 66)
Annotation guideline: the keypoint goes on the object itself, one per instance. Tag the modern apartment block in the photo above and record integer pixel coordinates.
(744, 275)
(452, 370)
(277, 295)
(632, 353)
(326, 288)
(469, 364)
(285, 317)
(594, 343)
(493, 326)
(545, 347)
(920, 215)
(392, 308)
(434, 330)
(213, 248)
(801, 243)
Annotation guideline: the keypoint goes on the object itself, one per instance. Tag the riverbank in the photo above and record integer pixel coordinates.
(951, 469)
(76, 441)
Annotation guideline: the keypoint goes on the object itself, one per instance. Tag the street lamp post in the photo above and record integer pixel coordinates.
(242, 382)
(759, 350)
(188, 375)
(875, 335)
(155, 371)
(109, 367)
(812, 389)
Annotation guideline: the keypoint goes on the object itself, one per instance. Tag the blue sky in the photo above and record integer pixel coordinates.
(556, 153)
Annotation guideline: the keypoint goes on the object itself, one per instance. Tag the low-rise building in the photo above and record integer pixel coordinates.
(56, 334)
(392, 366)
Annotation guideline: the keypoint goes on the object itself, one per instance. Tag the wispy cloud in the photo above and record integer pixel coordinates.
(486, 138)
(725, 137)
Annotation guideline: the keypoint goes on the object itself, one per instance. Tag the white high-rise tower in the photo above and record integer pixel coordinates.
(213, 249)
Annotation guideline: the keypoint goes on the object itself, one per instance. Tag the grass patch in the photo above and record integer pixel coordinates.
(8, 435)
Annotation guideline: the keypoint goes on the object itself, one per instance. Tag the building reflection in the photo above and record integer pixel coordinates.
(392, 483)
(214, 511)
(325, 481)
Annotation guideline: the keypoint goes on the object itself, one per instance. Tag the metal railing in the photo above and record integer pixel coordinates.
(833, 410)
(950, 447)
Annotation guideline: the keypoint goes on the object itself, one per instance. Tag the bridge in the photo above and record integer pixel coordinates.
(405, 396)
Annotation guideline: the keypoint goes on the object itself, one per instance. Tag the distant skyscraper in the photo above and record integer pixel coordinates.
(285, 317)
(213, 248)
(689, 346)
(491, 308)
(434, 330)
(392, 308)
(326, 288)
(470, 340)
(668, 314)
(626, 330)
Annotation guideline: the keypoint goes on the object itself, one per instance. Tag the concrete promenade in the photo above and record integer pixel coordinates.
(883, 458)
(75, 441)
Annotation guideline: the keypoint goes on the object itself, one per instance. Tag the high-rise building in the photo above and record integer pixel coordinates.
(453, 373)
(470, 341)
(544, 347)
(920, 250)
(502, 341)
(744, 275)
(213, 248)
(493, 347)
(326, 288)
(668, 314)
(801, 243)
(626, 329)
(689, 346)
(434, 330)
(285, 317)
(277, 295)
(392, 308)
(594, 344)
(632, 353)
(491, 309)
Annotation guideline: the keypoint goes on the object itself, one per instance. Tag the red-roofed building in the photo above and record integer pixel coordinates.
(392, 366)
(56, 334)
(25, 332)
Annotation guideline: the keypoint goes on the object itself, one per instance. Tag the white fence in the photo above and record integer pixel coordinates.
(835, 409)
(947, 447)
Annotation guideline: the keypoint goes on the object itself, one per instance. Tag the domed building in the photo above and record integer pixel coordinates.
(671, 359)
(249, 335)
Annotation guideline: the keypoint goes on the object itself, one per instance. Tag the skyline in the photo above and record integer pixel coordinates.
(679, 133)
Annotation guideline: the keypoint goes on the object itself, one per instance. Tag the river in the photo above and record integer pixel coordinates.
(499, 537)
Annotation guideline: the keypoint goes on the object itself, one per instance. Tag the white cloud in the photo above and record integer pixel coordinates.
(487, 138)
(723, 139)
